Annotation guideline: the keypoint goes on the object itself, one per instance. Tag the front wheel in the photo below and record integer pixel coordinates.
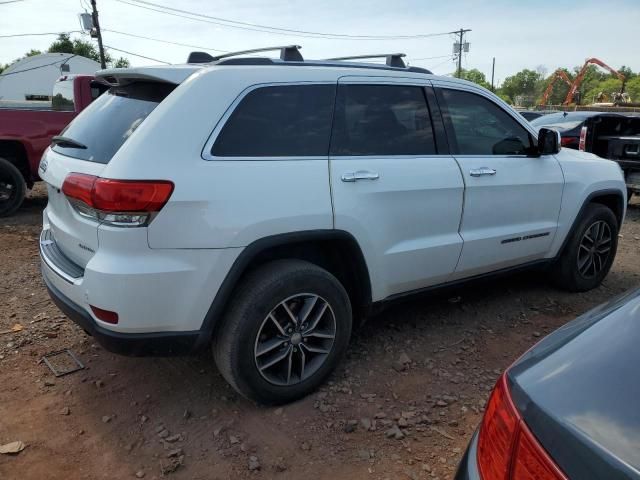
(12, 188)
(590, 252)
(284, 332)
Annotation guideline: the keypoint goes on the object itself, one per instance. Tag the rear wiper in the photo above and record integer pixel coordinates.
(66, 142)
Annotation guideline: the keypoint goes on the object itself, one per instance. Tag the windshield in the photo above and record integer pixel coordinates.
(110, 120)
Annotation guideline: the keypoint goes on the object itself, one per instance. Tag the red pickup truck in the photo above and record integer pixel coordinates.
(26, 129)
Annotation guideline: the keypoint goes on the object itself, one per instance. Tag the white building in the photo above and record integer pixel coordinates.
(32, 78)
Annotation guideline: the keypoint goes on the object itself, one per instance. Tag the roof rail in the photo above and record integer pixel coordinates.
(392, 59)
(288, 53)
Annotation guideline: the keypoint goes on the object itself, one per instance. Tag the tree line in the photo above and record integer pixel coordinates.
(76, 46)
(526, 87)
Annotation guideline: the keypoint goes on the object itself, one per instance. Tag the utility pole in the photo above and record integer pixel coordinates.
(493, 71)
(459, 47)
(98, 34)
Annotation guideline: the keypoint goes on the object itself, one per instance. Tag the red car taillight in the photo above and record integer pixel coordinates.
(583, 139)
(569, 142)
(118, 202)
(507, 450)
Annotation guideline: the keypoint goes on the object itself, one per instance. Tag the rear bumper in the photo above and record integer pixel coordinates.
(468, 468)
(134, 344)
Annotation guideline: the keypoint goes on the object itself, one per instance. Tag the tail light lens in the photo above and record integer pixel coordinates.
(116, 202)
(507, 450)
(569, 142)
(583, 139)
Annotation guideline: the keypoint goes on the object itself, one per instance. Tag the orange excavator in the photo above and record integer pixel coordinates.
(578, 80)
(558, 74)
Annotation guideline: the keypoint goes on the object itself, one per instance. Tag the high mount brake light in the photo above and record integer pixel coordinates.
(117, 202)
(507, 450)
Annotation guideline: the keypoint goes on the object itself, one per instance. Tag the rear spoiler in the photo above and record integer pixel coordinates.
(174, 74)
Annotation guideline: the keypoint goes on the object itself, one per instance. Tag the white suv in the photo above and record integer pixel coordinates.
(263, 206)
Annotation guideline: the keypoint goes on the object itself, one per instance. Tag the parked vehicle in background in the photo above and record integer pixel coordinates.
(569, 124)
(530, 114)
(615, 136)
(533, 114)
(267, 219)
(26, 130)
(568, 408)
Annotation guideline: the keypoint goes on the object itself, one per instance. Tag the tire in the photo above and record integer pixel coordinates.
(572, 271)
(247, 330)
(12, 188)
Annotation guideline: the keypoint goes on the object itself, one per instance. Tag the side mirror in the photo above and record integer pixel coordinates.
(549, 141)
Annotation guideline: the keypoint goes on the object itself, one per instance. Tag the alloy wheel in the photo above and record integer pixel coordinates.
(594, 249)
(295, 339)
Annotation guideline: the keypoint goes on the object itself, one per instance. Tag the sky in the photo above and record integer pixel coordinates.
(518, 33)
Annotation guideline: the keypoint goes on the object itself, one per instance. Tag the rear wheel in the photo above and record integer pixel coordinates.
(590, 252)
(284, 332)
(12, 188)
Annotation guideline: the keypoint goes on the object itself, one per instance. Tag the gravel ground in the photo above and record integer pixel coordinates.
(403, 404)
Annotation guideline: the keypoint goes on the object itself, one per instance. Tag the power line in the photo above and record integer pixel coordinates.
(266, 28)
(11, 1)
(61, 62)
(287, 30)
(430, 58)
(37, 34)
(164, 41)
(442, 63)
(136, 55)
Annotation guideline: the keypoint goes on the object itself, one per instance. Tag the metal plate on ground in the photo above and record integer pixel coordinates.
(62, 362)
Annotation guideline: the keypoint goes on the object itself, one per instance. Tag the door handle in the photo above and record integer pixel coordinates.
(359, 175)
(479, 172)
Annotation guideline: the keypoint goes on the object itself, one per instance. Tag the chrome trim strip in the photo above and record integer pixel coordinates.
(47, 245)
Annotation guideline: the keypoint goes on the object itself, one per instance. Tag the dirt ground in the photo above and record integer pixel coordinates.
(152, 417)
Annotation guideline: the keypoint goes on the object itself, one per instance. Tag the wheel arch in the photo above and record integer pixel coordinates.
(334, 250)
(16, 153)
(611, 198)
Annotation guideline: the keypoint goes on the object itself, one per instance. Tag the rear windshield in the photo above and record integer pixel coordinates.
(560, 121)
(109, 121)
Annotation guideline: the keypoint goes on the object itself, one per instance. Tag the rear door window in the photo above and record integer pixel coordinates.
(105, 125)
(279, 121)
(63, 97)
(382, 120)
(480, 127)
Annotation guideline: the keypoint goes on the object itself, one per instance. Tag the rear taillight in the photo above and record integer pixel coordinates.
(569, 142)
(583, 139)
(116, 202)
(507, 450)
